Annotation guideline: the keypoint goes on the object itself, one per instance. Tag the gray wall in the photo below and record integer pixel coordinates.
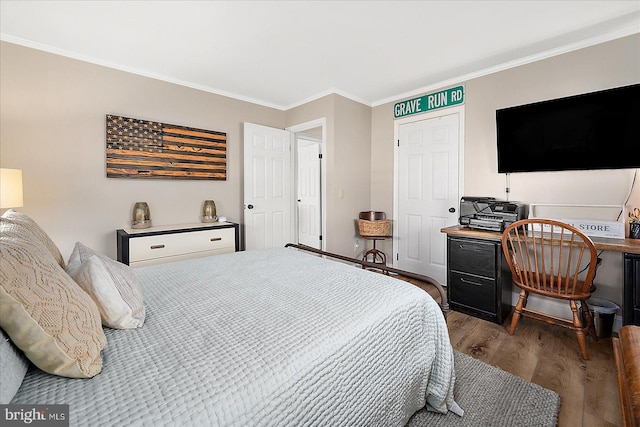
(607, 65)
(53, 128)
(348, 139)
(53, 108)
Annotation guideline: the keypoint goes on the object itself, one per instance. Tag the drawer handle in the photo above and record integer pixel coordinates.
(215, 239)
(157, 246)
(470, 282)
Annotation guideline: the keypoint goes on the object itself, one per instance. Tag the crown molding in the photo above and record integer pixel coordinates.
(331, 91)
(570, 47)
(85, 58)
(624, 31)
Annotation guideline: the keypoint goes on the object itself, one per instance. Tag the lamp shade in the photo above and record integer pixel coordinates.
(10, 188)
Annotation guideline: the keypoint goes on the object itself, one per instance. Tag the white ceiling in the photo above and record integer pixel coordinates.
(284, 53)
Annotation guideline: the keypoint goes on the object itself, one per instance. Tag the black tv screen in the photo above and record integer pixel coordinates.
(598, 130)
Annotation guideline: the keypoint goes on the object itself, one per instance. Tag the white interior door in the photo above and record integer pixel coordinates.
(427, 174)
(267, 187)
(308, 192)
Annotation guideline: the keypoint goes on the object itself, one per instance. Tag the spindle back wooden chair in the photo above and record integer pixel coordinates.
(552, 259)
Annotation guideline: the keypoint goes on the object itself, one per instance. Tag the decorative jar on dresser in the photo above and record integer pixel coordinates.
(155, 245)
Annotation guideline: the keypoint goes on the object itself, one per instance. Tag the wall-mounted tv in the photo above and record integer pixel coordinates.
(597, 130)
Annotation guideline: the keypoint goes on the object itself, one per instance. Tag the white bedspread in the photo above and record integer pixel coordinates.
(274, 337)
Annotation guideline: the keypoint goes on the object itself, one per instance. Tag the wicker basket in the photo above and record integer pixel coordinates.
(376, 228)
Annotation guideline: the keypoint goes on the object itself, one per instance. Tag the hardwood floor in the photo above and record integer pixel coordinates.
(549, 356)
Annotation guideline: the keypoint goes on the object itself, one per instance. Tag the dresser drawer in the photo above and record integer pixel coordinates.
(473, 291)
(169, 245)
(472, 256)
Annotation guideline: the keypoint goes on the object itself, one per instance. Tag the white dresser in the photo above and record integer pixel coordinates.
(154, 245)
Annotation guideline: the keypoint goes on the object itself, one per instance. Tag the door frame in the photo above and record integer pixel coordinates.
(322, 123)
(396, 135)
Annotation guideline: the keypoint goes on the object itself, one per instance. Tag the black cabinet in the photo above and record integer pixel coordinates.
(631, 298)
(478, 278)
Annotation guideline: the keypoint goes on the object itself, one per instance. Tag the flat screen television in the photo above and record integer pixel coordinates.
(597, 130)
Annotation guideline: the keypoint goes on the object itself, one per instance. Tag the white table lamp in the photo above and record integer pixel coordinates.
(10, 188)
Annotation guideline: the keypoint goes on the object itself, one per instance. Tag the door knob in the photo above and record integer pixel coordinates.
(250, 207)
(452, 210)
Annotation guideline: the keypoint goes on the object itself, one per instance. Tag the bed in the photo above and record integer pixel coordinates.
(268, 337)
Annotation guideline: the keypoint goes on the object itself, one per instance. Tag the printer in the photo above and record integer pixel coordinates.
(488, 213)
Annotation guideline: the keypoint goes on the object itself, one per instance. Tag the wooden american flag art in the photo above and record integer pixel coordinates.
(145, 149)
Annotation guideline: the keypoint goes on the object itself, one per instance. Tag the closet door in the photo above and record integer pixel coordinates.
(427, 193)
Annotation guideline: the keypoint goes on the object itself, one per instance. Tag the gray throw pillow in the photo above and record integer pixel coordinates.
(13, 368)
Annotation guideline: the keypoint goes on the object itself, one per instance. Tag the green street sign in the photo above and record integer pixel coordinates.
(433, 101)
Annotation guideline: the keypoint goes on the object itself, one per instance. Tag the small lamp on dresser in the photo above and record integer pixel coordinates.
(10, 188)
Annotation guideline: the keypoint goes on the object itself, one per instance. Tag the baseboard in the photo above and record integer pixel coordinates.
(557, 308)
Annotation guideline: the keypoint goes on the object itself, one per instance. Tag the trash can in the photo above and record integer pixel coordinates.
(603, 313)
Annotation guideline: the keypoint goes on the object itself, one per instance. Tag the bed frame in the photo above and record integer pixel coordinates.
(444, 303)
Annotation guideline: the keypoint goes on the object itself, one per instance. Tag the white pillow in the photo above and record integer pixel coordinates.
(111, 284)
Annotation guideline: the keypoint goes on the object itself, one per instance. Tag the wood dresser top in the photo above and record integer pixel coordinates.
(601, 243)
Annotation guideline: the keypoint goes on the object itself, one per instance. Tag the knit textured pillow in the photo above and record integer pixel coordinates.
(24, 220)
(44, 312)
(112, 285)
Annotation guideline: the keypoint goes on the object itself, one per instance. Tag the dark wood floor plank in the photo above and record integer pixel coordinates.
(482, 342)
(601, 387)
(591, 420)
(460, 327)
(548, 356)
(519, 353)
(562, 370)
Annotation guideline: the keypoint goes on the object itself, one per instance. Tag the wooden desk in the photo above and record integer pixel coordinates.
(478, 276)
(630, 248)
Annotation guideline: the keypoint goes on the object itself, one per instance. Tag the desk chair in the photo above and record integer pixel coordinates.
(555, 260)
